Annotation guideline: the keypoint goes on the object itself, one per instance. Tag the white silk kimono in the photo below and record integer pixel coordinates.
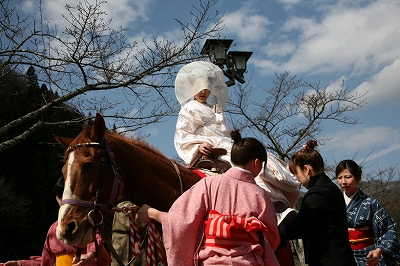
(198, 123)
(231, 193)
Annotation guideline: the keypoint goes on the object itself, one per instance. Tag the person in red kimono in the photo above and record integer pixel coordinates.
(55, 252)
(225, 219)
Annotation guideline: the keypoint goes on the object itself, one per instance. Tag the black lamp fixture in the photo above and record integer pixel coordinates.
(235, 61)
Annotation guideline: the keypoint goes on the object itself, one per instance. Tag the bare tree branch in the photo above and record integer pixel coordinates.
(89, 57)
(291, 111)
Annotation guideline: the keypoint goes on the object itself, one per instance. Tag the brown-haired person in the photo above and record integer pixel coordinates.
(372, 232)
(225, 219)
(321, 221)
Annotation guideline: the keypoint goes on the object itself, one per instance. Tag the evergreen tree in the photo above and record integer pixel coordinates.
(29, 170)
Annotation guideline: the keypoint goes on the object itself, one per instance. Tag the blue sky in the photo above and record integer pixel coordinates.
(328, 41)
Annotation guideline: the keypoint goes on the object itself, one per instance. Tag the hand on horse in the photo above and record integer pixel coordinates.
(86, 260)
(146, 213)
(205, 149)
(11, 263)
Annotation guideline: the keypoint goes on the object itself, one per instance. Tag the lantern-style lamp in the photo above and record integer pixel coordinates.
(235, 61)
(239, 61)
(216, 50)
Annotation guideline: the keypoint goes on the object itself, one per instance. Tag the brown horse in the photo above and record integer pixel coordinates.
(100, 167)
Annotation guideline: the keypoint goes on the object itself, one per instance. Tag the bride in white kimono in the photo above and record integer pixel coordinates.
(202, 126)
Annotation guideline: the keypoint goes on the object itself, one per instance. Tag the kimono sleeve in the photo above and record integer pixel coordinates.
(385, 230)
(186, 139)
(33, 261)
(183, 225)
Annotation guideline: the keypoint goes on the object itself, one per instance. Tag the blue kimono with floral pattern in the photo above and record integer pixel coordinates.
(363, 211)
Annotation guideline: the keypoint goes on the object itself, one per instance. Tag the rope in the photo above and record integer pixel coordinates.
(154, 245)
(134, 234)
(154, 242)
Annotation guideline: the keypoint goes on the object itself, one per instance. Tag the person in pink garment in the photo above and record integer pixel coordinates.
(55, 252)
(225, 219)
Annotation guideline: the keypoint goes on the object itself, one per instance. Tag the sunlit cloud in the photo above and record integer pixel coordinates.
(122, 12)
(246, 24)
(384, 86)
(372, 142)
(356, 40)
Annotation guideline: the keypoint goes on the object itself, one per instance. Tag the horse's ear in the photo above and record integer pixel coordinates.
(63, 140)
(99, 128)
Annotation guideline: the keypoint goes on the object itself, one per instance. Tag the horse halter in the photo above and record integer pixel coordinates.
(108, 155)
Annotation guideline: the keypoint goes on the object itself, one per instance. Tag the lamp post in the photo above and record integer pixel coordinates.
(235, 61)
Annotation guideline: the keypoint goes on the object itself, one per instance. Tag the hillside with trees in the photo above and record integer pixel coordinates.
(29, 170)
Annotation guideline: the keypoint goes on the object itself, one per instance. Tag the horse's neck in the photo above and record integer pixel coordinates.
(151, 178)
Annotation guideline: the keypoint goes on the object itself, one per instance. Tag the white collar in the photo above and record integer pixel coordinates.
(241, 169)
(348, 199)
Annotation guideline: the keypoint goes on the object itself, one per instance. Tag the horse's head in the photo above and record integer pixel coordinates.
(92, 183)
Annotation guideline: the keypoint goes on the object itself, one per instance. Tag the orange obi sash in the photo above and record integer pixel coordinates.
(360, 238)
(229, 231)
(64, 259)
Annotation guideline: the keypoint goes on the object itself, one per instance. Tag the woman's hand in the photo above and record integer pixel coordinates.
(143, 213)
(146, 213)
(205, 149)
(86, 260)
(374, 256)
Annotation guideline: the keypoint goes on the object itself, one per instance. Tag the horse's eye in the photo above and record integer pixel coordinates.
(87, 166)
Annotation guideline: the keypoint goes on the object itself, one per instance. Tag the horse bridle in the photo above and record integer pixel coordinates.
(108, 155)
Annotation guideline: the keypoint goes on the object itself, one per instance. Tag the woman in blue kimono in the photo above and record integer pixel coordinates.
(372, 232)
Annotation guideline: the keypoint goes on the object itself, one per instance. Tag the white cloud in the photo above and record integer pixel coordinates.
(246, 24)
(346, 39)
(152, 131)
(275, 49)
(352, 139)
(372, 142)
(290, 2)
(395, 147)
(383, 86)
(123, 12)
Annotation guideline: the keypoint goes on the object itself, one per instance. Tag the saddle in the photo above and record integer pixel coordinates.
(212, 162)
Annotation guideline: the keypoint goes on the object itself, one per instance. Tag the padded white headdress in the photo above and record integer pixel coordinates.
(196, 76)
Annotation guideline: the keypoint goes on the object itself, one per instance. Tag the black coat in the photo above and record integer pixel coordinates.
(322, 224)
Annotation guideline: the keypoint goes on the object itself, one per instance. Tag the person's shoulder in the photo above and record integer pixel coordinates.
(327, 190)
(325, 184)
(214, 178)
(53, 227)
(367, 199)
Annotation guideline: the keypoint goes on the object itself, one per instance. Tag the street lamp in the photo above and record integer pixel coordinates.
(235, 61)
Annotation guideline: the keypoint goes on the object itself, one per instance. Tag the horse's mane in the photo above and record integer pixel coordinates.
(84, 136)
(137, 142)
